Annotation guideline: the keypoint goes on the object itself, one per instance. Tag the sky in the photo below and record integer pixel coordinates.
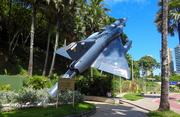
(140, 27)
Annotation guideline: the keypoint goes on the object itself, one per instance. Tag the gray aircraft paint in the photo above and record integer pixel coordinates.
(103, 51)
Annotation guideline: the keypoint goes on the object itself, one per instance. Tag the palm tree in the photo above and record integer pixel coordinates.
(164, 103)
(69, 10)
(173, 17)
(49, 12)
(57, 36)
(95, 16)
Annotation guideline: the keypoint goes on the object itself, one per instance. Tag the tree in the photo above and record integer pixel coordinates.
(173, 17)
(49, 16)
(164, 103)
(135, 64)
(30, 67)
(57, 36)
(95, 16)
(148, 63)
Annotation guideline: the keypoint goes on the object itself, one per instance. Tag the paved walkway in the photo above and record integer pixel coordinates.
(137, 108)
(173, 99)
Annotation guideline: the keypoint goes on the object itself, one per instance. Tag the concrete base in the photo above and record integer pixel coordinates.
(142, 94)
(102, 99)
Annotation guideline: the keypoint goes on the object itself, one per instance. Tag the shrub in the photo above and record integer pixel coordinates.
(27, 95)
(7, 96)
(67, 96)
(0, 105)
(38, 82)
(42, 93)
(97, 86)
(53, 76)
(5, 87)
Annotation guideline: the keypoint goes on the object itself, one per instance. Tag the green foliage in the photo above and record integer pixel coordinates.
(5, 87)
(154, 85)
(0, 104)
(173, 73)
(140, 90)
(53, 76)
(148, 63)
(173, 17)
(116, 83)
(158, 78)
(174, 78)
(133, 96)
(8, 68)
(97, 86)
(7, 96)
(150, 76)
(169, 113)
(135, 66)
(27, 95)
(67, 96)
(38, 82)
(6, 73)
(22, 70)
(175, 88)
(124, 38)
(64, 110)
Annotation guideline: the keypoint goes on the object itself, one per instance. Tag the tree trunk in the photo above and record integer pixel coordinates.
(164, 103)
(30, 68)
(56, 43)
(47, 51)
(11, 42)
(10, 26)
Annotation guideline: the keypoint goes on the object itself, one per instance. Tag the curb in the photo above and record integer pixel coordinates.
(86, 114)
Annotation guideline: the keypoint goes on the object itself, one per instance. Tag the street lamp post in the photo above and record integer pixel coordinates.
(132, 70)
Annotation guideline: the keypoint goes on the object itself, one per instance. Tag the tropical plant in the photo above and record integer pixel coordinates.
(50, 15)
(5, 87)
(38, 82)
(7, 96)
(5, 71)
(173, 17)
(95, 16)
(64, 5)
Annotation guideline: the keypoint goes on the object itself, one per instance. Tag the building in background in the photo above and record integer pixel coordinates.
(177, 57)
(170, 60)
(151, 71)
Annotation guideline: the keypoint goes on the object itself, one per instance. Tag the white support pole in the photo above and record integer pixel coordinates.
(132, 71)
(73, 92)
(113, 87)
(143, 77)
(57, 95)
(120, 85)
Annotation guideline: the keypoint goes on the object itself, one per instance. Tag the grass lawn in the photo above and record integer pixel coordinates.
(174, 92)
(133, 96)
(179, 101)
(64, 110)
(162, 114)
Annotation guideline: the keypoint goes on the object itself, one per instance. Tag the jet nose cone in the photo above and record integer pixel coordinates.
(122, 21)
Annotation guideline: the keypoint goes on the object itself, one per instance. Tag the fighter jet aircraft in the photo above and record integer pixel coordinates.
(103, 51)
